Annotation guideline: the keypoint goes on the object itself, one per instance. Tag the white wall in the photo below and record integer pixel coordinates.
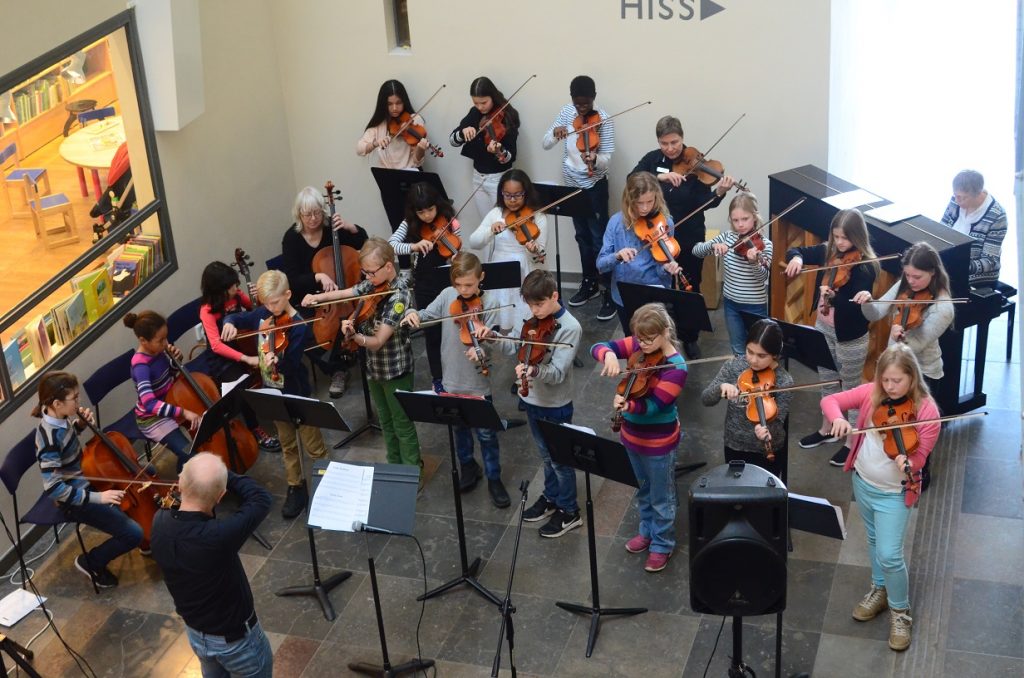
(769, 60)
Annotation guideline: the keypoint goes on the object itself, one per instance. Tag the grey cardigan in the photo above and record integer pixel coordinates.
(922, 340)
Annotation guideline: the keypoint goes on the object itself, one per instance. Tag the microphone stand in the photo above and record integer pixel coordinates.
(507, 609)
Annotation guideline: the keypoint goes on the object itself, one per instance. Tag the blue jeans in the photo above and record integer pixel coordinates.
(590, 231)
(734, 323)
(488, 448)
(559, 481)
(176, 441)
(656, 498)
(885, 517)
(250, 656)
(125, 533)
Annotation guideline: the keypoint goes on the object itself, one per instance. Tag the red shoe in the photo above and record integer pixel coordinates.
(656, 562)
(638, 544)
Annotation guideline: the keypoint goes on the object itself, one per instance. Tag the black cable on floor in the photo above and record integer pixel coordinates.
(715, 647)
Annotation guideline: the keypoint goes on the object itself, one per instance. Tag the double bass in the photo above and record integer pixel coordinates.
(341, 264)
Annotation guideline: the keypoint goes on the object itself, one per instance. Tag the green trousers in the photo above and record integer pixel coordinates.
(403, 447)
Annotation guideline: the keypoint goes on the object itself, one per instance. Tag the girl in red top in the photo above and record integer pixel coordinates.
(880, 486)
(221, 296)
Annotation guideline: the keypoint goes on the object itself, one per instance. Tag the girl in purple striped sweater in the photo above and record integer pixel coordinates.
(650, 428)
(153, 376)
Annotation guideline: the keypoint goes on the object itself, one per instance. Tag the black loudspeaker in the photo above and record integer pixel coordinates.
(738, 541)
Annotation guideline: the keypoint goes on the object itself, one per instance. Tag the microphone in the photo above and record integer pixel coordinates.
(358, 526)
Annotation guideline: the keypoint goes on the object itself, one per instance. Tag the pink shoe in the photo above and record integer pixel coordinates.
(656, 562)
(638, 544)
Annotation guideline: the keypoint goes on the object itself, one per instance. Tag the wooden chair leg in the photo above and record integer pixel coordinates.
(81, 542)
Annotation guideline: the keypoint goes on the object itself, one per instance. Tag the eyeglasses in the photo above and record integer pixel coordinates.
(314, 213)
(648, 340)
(370, 274)
(513, 196)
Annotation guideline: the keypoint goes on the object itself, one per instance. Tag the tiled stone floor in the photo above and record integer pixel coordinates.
(965, 548)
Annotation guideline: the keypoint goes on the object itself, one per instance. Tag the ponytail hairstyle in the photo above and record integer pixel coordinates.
(924, 257)
(145, 324)
(651, 320)
(52, 387)
(532, 200)
(767, 334)
(388, 89)
(423, 195)
(217, 279)
(483, 87)
(901, 356)
(856, 231)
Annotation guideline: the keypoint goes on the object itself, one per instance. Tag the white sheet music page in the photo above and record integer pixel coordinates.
(342, 497)
(850, 199)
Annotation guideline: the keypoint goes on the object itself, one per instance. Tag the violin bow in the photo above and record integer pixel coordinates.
(330, 303)
(542, 210)
(784, 389)
(915, 422)
(495, 114)
(520, 340)
(743, 115)
(665, 366)
(255, 333)
(123, 481)
(766, 224)
(462, 315)
(599, 123)
(956, 300)
(811, 269)
(408, 122)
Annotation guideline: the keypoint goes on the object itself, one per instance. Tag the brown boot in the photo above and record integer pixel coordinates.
(873, 603)
(899, 629)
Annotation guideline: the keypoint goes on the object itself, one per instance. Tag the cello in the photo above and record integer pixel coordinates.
(198, 392)
(341, 264)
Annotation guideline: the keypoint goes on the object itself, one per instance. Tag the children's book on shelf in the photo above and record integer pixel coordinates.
(12, 356)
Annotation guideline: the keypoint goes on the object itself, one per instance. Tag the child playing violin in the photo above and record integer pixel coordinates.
(683, 195)
(884, 492)
(392, 102)
(426, 210)
(546, 378)
(650, 426)
(837, 316)
(515, 192)
(744, 439)
(462, 376)
(492, 149)
(745, 286)
(154, 375)
(59, 452)
(587, 170)
(221, 296)
(624, 255)
(276, 309)
(389, 359)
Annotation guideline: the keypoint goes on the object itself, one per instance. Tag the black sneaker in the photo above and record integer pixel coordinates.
(839, 458)
(104, 579)
(691, 349)
(339, 383)
(541, 509)
(295, 501)
(266, 441)
(815, 439)
(608, 310)
(560, 523)
(499, 495)
(469, 475)
(587, 291)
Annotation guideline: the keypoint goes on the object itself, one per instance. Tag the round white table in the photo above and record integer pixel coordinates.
(93, 147)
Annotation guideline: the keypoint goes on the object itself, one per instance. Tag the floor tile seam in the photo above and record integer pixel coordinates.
(986, 654)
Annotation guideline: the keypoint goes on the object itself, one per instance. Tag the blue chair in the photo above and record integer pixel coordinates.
(95, 114)
(275, 263)
(102, 382)
(14, 173)
(18, 461)
(182, 320)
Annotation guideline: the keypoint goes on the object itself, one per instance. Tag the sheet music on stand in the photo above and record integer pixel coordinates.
(342, 497)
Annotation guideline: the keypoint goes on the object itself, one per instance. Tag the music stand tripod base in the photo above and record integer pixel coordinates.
(370, 424)
(21, 656)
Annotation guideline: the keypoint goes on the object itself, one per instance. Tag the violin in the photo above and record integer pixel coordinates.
(899, 440)
(413, 134)
(640, 376)
(365, 308)
(588, 137)
(762, 408)
(534, 330)
(494, 130)
(272, 341)
(341, 264)
(110, 456)
(441, 232)
(524, 227)
(198, 392)
(692, 162)
(838, 275)
(664, 248)
(468, 309)
(754, 242)
(909, 316)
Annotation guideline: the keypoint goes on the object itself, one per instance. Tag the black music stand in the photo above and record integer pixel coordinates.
(498, 275)
(804, 344)
(21, 656)
(507, 631)
(297, 411)
(395, 183)
(392, 508)
(451, 410)
(570, 446)
(369, 424)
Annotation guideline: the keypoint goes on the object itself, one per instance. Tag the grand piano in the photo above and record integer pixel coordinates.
(963, 345)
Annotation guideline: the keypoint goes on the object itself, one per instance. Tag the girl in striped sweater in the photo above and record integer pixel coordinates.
(650, 428)
(746, 276)
(153, 376)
